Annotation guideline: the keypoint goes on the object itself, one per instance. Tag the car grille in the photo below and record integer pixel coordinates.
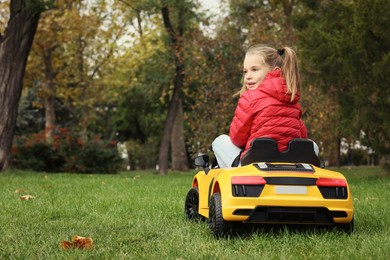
(303, 215)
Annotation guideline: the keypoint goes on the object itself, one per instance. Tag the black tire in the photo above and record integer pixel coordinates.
(191, 206)
(217, 224)
(347, 228)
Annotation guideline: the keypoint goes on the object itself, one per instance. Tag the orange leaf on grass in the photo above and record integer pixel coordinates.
(78, 242)
(66, 244)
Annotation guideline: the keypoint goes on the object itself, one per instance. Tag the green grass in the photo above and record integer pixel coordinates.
(140, 215)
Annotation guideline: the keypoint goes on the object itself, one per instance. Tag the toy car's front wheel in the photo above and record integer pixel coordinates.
(217, 224)
(191, 205)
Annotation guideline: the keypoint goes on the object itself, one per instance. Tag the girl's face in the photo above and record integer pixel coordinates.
(254, 71)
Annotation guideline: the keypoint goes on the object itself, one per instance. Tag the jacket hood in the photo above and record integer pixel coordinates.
(275, 86)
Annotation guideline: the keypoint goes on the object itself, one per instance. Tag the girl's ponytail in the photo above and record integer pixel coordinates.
(290, 70)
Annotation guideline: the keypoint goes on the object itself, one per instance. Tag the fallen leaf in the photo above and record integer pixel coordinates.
(27, 197)
(82, 242)
(78, 242)
(66, 244)
(20, 191)
(136, 177)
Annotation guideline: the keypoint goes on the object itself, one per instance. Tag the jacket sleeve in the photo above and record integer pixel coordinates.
(241, 123)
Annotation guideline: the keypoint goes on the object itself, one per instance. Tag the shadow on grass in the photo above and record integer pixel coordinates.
(245, 230)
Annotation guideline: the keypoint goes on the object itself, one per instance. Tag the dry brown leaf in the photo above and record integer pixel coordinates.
(66, 245)
(27, 197)
(20, 191)
(136, 177)
(78, 242)
(82, 242)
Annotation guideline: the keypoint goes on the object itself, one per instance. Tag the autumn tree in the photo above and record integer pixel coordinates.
(15, 45)
(175, 22)
(66, 69)
(175, 41)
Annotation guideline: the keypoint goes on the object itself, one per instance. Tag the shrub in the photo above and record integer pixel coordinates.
(142, 156)
(95, 157)
(65, 153)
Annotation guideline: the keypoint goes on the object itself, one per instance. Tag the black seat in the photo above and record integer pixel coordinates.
(266, 150)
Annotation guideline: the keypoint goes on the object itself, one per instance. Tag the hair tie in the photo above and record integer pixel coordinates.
(280, 51)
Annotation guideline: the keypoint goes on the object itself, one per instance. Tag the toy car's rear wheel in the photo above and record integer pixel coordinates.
(191, 205)
(217, 224)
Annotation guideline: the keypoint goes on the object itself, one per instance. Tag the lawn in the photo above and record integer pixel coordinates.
(139, 215)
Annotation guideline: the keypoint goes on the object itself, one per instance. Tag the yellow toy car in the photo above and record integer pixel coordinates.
(270, 188)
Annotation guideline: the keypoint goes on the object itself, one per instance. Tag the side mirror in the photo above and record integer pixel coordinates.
(203, 161)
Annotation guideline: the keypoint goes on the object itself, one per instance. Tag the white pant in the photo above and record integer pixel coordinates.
(225, 151)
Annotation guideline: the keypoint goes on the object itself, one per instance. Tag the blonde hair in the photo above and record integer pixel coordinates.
(284, 58)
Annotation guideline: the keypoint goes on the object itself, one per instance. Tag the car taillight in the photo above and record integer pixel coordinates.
(331, 182)
(248, 180)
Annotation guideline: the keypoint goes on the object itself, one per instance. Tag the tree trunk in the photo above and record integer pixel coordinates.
(15, 46)
(49, 94)
(163, 159)
(179, 153)
(334, 159)
(176, 96)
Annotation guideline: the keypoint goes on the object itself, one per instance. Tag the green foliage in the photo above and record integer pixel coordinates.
(345, 46)
(38, 157)
(358, 157)
(31, 119)
(140, 114)
(64, 62)
(66, 153)
(142, 155)
(38, 6)
(321, 116)
(95, 156)
(141, 216)
(31, 114)
(209, 103)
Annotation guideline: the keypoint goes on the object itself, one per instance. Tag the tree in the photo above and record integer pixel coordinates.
(65, 68)
(345, 50)
(371, 94)
(15, 45)
(175, 42)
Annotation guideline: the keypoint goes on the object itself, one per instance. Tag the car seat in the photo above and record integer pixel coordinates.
(266, 150)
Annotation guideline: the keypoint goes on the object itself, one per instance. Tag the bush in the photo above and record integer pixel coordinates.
(356, 157)
(95, 157)
(142, 156)
(65, 153)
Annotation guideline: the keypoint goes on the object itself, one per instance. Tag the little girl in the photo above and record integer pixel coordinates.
(268, 104)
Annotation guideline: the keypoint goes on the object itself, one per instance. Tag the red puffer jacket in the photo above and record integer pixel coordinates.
(267, 112)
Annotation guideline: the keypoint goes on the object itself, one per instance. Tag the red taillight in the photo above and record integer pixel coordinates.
(329, 182)
(248, 180)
